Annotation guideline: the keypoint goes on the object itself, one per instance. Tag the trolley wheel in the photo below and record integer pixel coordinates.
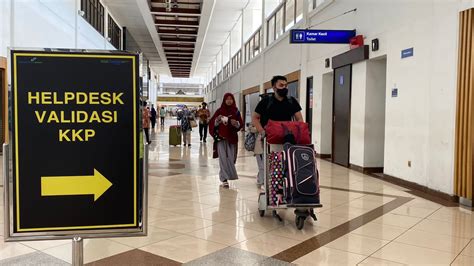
(261, 212)
(299, 221)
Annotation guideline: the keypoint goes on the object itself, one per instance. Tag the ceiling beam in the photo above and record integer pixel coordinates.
(171, 15)
(174, 39)
(178, 2)
(176, 23)
(175, 55)
(179, 51)
(178, 32)
(179, 57)
(177, 45)
(176, 11)
(179, 60)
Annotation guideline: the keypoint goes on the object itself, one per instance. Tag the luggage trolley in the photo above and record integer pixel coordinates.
(302, 211)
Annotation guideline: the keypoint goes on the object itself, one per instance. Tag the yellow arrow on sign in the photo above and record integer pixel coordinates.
(95, 184)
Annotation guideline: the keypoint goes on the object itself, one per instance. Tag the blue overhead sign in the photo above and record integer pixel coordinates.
(407, 52)
(321, 36)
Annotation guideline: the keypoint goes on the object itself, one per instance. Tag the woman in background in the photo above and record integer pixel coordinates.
(186, 127)
(224, 125)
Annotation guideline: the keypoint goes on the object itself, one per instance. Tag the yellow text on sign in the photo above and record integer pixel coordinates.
(76, 135)
(76, 116)
(104, 98)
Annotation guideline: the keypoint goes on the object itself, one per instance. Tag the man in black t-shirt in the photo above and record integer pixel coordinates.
(278, 107)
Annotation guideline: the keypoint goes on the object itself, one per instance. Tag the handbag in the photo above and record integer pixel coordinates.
(193, 123)
(216, 135)
(250, 139)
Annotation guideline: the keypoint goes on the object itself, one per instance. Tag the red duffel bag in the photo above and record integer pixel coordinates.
(277, 130)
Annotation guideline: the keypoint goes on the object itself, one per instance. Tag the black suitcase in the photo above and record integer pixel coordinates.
(301, 174)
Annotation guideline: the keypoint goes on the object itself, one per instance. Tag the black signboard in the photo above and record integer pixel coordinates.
(75, 141)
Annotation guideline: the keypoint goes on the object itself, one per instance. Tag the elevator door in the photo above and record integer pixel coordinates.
(342, 114)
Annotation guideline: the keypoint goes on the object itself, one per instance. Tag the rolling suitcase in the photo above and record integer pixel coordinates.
(302, 176)
(175, 135)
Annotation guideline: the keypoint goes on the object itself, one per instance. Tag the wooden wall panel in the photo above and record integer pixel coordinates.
(251, 90)
(293, 76)
(463, 170)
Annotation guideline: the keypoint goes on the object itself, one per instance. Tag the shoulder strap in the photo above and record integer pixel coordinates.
(269, 104)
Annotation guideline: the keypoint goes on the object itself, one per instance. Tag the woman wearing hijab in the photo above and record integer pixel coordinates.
(224, 125)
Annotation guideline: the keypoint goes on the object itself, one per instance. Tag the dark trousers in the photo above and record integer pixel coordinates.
(147, 134)
(162, 120)
(203, 131)
(153, 122)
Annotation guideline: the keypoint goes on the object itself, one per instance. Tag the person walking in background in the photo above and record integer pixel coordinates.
(146, 122)
(162, 116)
(186, 127)
(153, 117)
(224, 125)
(203, 115)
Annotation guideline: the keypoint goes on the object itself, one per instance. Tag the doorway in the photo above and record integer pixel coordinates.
(326, 115)
(341, 115)
(374, 143)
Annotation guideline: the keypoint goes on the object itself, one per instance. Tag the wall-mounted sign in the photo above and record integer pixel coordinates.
(76, 133)
(321, 36)
(394, 92)
(407, 52)
(180, 99)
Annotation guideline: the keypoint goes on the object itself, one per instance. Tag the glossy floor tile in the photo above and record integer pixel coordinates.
(94, 249)
(267, 244)
(183, 248)
(225, 234)
(357, 244)
(439, 242)
(409, 254)
(329, 256)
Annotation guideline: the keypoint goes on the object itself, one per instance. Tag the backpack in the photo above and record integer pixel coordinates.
(250, 139)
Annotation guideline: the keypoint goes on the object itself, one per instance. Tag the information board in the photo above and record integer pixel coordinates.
(75, 142)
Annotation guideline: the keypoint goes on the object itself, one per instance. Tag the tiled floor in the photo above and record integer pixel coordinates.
(193, 220)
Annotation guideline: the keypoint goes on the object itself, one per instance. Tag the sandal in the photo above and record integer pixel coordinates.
(225, 184)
